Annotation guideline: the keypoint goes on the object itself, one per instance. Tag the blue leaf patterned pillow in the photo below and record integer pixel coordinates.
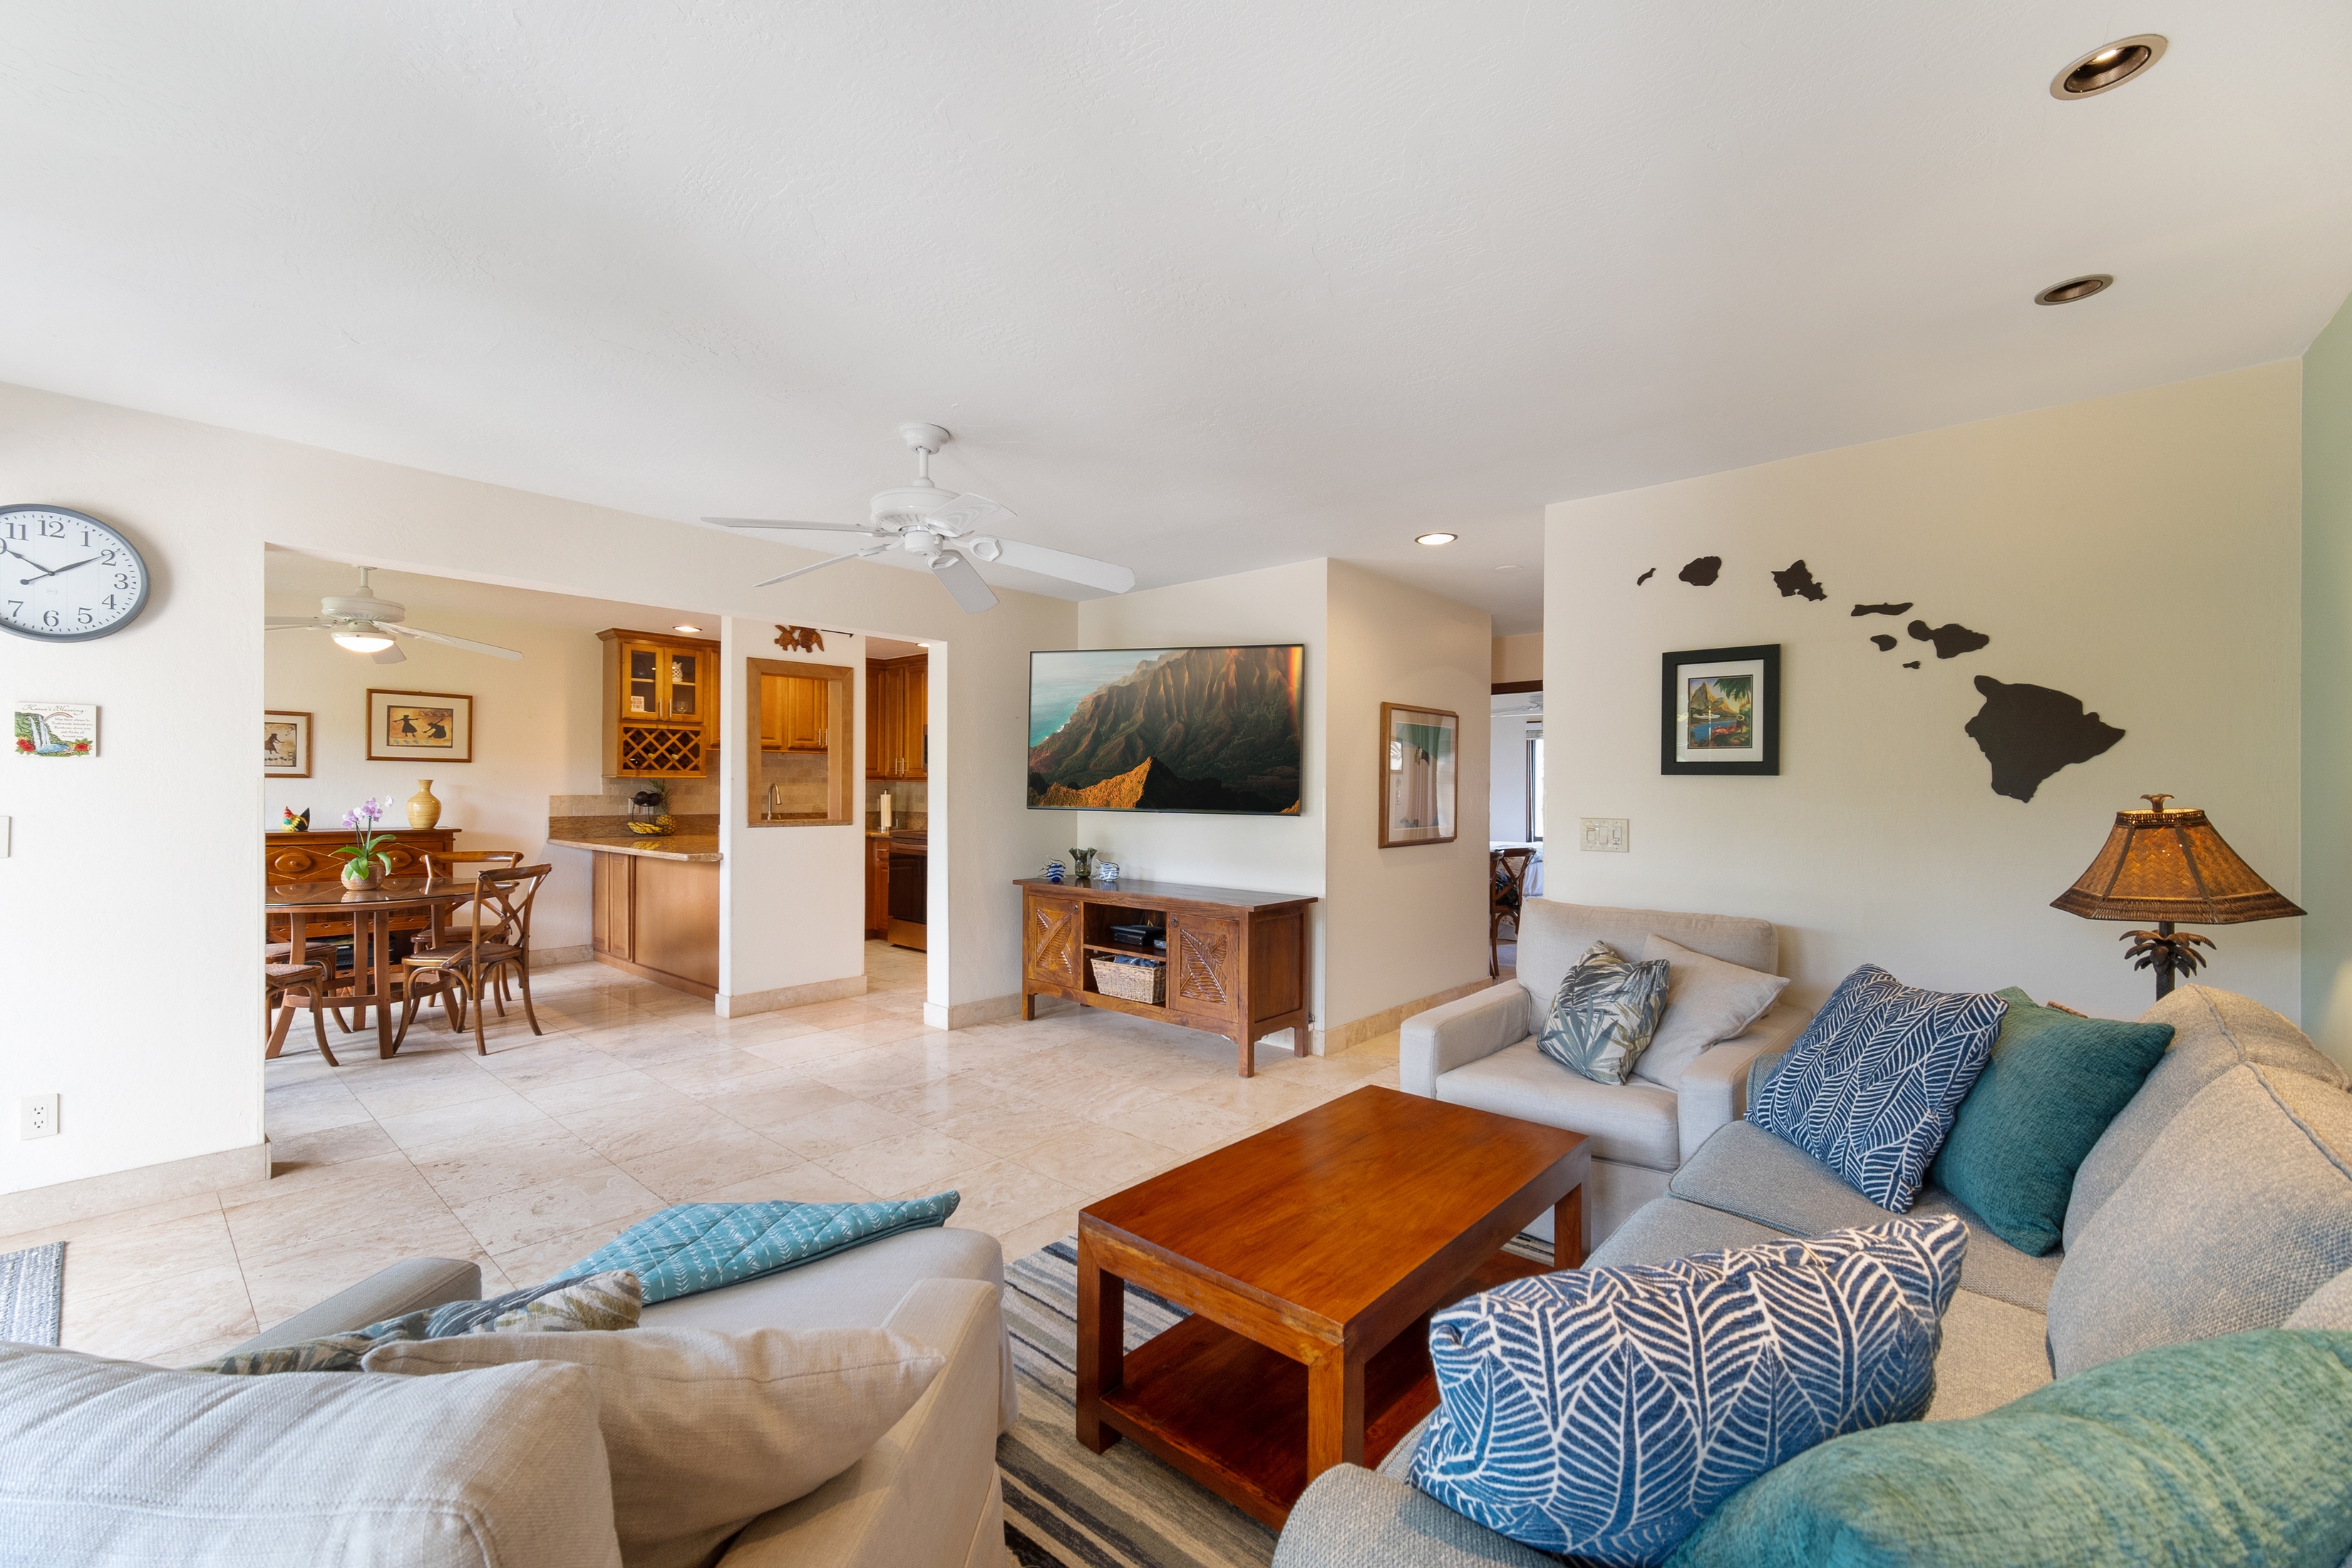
(1871, 1087)
(1604, 1412)
(1604, 1014)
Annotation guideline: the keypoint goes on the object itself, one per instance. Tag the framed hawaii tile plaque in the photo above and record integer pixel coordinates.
(419, 726)
(1721, 712)
(56, 729)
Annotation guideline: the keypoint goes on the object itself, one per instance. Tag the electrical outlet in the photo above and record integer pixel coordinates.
(1606, 834)
(36, 1115)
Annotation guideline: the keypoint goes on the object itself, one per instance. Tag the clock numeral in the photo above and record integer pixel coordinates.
(15, 607)
(84, 617)
(122, 579)
(109, 602)
(48, 618)
(53, 527)
(105, 557)
(14, 530)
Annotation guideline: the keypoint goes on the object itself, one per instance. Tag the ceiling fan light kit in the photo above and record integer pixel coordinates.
(935, 525)
(366, 624)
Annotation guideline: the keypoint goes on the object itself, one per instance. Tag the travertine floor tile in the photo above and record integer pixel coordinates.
(1001, 1197)
(503, 1115)
(466, 1169)
(507, 1222)
(839, 1127)
(1100, 1161)
(131, 1319)
(689, 1172)
(920, 1159)
(1185, 1125)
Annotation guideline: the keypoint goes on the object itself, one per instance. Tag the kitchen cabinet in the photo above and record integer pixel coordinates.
(878, 885)
(661, 705)
(657, 918)
(794, 713)
(897, 718)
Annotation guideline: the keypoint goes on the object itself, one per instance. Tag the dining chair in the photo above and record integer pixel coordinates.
(448, 864)
(466, 974)
(280, 983)
(1507, 883)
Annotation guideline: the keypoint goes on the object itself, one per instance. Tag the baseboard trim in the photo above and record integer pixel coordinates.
(743, 1004)
(1328, 1042)
(63, 1203)
(553, 957)
(964, 1014)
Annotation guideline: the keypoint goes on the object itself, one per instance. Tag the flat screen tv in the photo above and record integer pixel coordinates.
(1166, 729)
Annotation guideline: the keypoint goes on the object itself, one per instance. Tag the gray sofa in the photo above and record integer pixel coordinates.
(928, 1493)
(2219, 1200)
(1480, 1051)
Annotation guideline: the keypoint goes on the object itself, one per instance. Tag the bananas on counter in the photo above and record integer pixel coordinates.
(656, 829)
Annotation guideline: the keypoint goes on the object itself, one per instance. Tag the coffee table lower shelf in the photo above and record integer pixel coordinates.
(1231, 1414)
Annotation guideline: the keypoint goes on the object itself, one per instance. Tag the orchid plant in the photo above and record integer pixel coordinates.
(361, 819)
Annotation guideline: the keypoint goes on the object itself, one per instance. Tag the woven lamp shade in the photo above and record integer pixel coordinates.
(2170, 866)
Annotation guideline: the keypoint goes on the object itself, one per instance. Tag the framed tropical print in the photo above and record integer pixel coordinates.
(1721, 712)
(419, 726)
(1420, 774)
(285, 744)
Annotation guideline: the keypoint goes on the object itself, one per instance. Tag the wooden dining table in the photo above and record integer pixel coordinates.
(370, 912)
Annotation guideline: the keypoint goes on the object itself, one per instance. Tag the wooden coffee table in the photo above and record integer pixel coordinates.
(1310, 1256)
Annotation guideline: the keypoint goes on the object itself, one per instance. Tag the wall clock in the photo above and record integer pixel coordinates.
(65, 576)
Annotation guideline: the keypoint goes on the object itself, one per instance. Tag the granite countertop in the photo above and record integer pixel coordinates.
(703, 847)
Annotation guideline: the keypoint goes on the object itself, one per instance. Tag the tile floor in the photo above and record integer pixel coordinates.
(636, 1098)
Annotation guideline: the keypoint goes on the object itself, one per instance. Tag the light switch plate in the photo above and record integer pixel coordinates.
(1606, 834)
(36, 1115)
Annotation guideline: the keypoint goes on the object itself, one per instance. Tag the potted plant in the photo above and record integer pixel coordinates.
(365, 865)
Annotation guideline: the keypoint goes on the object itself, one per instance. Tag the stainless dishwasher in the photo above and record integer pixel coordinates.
(911, 869)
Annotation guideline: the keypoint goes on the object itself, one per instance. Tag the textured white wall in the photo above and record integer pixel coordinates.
(110, 935)
(2140, 553)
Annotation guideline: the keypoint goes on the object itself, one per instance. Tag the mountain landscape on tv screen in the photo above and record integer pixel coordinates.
(1204, 729)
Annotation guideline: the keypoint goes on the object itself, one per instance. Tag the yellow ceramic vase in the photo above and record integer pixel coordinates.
(424, 806)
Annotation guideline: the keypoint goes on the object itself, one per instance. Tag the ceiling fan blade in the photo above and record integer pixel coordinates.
(963, 582)
(859, 556)
(466, 643)
(1084, 569)
(393, 656)
(293, 623)
(962, 514)
(779, 525)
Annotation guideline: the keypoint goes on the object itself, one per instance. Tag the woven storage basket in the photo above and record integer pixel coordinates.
(1132, 982)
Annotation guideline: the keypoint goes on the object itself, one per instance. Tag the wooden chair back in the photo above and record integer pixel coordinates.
(446, 865)
(503, 900)
(1508, 878)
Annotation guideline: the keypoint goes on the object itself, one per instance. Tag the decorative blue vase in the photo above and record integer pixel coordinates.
(1055, 871)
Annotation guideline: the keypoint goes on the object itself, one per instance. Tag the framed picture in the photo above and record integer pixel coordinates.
(1722, 711)
(1420, 774)
(56, 728)
(285, 744)
(419, 726)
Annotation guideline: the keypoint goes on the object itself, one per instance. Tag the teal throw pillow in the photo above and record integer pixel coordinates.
(2216, 1452)
(1604, 1012)
(2054, 1082)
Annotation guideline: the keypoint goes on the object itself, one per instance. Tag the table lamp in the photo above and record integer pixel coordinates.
(2167, 866)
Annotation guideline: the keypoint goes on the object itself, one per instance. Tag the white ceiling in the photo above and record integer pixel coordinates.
(296, 579)
(1202, 286)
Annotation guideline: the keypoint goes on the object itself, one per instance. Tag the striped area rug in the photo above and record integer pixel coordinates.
(1068, 1508)
(31, 1298)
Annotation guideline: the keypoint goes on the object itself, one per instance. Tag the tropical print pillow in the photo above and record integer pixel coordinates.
(1604, 1012)
(1871, 1088)
(587, 1302)
(1604, 1412)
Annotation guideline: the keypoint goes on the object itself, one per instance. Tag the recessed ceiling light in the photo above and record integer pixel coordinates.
(683, 628)
(2107, 67)
(1512, 567)
(1435, 538)
(2076, 289)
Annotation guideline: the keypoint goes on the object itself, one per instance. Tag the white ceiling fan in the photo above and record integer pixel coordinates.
(366, 624)
(937, 525)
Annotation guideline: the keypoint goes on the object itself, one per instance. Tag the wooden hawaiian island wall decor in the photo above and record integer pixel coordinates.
(2026, 732)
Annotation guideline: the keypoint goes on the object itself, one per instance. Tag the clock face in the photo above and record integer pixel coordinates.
(65, 576)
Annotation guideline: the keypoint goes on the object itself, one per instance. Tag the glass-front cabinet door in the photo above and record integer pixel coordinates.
(685, 685)
(641, 694)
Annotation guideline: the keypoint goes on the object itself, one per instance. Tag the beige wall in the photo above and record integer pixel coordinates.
(1519, 657)
(2327, 647)
(159, 1060)
(2139, 551)
(536, 733)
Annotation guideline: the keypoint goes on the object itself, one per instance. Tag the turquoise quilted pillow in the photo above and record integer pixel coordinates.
(1604, 1412)
(2054, 1082)
(2206, 1455)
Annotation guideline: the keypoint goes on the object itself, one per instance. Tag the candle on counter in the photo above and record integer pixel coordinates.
(884, 801)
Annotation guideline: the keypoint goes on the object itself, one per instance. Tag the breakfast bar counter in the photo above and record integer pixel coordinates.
(698, 846)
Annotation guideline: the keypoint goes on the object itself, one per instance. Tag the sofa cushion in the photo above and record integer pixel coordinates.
(2236, 1450)
(691, 1247)
(2238, 1211)
(114, 1463)
(583, 1303)
(2052, 1086)
(1708, 1001)
(855, 1289)
(1871, 1086)
(1606, 1412)
(707, 1431)
(2329, 1306)
(1746, 1170)
(2212, 1031)
(1632, 1123)
(1666, 1229)
(1603, 1014)
(1554, 935)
